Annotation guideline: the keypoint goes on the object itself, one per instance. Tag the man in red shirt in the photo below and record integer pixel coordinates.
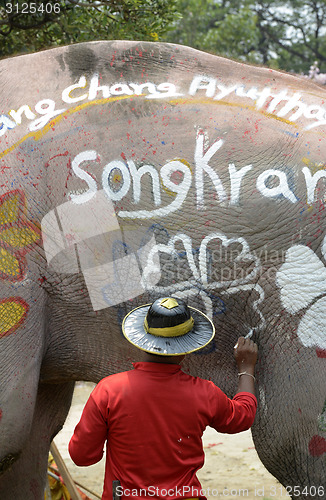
(153, 416)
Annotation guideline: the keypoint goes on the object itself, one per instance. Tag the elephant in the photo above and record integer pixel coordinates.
(134, 170)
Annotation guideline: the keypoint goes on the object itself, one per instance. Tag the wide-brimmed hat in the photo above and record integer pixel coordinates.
(168, 327)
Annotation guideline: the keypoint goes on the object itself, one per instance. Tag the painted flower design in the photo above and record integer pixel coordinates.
(196, 270)
(302, 281)
(13, 312)
(17, 236)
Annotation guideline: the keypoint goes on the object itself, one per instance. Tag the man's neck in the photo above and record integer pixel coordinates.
(155, 358)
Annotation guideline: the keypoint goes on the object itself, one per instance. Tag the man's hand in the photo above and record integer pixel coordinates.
(246, 353)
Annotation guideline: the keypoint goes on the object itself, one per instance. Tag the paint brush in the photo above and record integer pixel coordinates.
(249, 334)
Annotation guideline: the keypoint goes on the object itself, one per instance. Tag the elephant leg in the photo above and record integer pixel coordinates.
(288, 418)
(22, 344)
(25, 480)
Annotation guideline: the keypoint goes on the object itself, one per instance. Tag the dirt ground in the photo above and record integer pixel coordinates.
(232, 467)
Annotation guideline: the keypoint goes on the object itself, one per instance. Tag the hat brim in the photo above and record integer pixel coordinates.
(199, 336)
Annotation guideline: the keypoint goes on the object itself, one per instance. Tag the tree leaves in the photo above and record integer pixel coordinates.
(23, 30)
(289, 35)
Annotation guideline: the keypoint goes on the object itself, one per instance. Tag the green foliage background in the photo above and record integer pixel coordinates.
(289, 35)
(80, 21)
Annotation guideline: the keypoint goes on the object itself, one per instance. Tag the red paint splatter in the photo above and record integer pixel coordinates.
(321, 353)
(317, 446)
(210, 445)
(0, 414)
(56, 156)
(176, 177)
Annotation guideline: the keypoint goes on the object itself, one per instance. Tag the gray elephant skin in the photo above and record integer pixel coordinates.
(134, 170)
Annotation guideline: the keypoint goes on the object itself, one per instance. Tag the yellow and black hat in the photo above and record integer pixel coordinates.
(168, 327)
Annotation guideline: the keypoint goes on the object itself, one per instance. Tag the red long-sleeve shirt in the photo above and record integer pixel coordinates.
(153, 418)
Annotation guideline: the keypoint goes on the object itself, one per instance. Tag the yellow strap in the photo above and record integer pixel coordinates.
(171, 331)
